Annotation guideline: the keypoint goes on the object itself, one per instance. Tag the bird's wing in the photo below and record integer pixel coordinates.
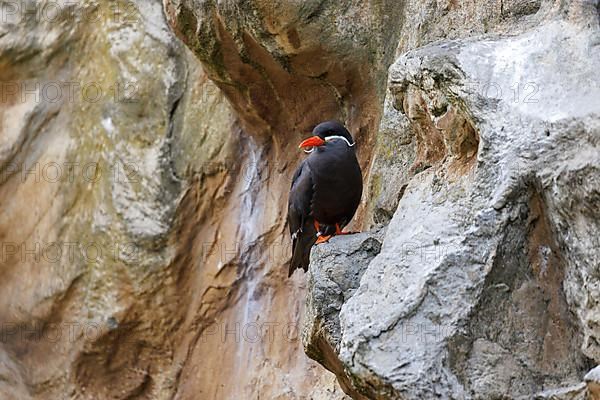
(299, 212)
(301, 195)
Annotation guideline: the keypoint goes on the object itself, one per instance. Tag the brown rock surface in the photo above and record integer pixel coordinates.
(143, 187)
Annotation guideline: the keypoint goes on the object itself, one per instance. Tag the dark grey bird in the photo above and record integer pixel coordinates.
(326, 191)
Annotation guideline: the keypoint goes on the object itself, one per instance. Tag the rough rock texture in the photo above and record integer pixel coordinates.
(336, 283)
(483, 288)
(284, 64)
(143, 185)
(592, 381)
(104, 127)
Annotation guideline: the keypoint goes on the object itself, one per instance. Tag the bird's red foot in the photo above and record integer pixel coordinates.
(323, 239)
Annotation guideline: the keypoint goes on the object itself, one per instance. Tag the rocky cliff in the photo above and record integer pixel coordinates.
(146, 151)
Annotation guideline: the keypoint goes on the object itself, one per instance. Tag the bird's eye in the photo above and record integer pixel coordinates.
(309, 150)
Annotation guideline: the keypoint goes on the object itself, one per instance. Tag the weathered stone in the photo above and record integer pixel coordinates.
(488, 256)
(168, 212)
(92, 303)
(592, 381)
(576, 392)
(287, 65)
(334, 276)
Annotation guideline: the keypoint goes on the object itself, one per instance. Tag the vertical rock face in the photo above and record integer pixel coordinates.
(143, 186)
(107, 125)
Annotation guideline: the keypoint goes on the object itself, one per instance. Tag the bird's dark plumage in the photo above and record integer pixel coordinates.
(326, 187)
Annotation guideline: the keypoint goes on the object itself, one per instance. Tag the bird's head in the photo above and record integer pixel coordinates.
(325, 132)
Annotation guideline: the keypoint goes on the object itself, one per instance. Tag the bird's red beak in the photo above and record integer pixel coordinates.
(314, 141)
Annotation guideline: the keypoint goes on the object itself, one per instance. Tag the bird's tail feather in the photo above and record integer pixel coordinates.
(301, 246)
